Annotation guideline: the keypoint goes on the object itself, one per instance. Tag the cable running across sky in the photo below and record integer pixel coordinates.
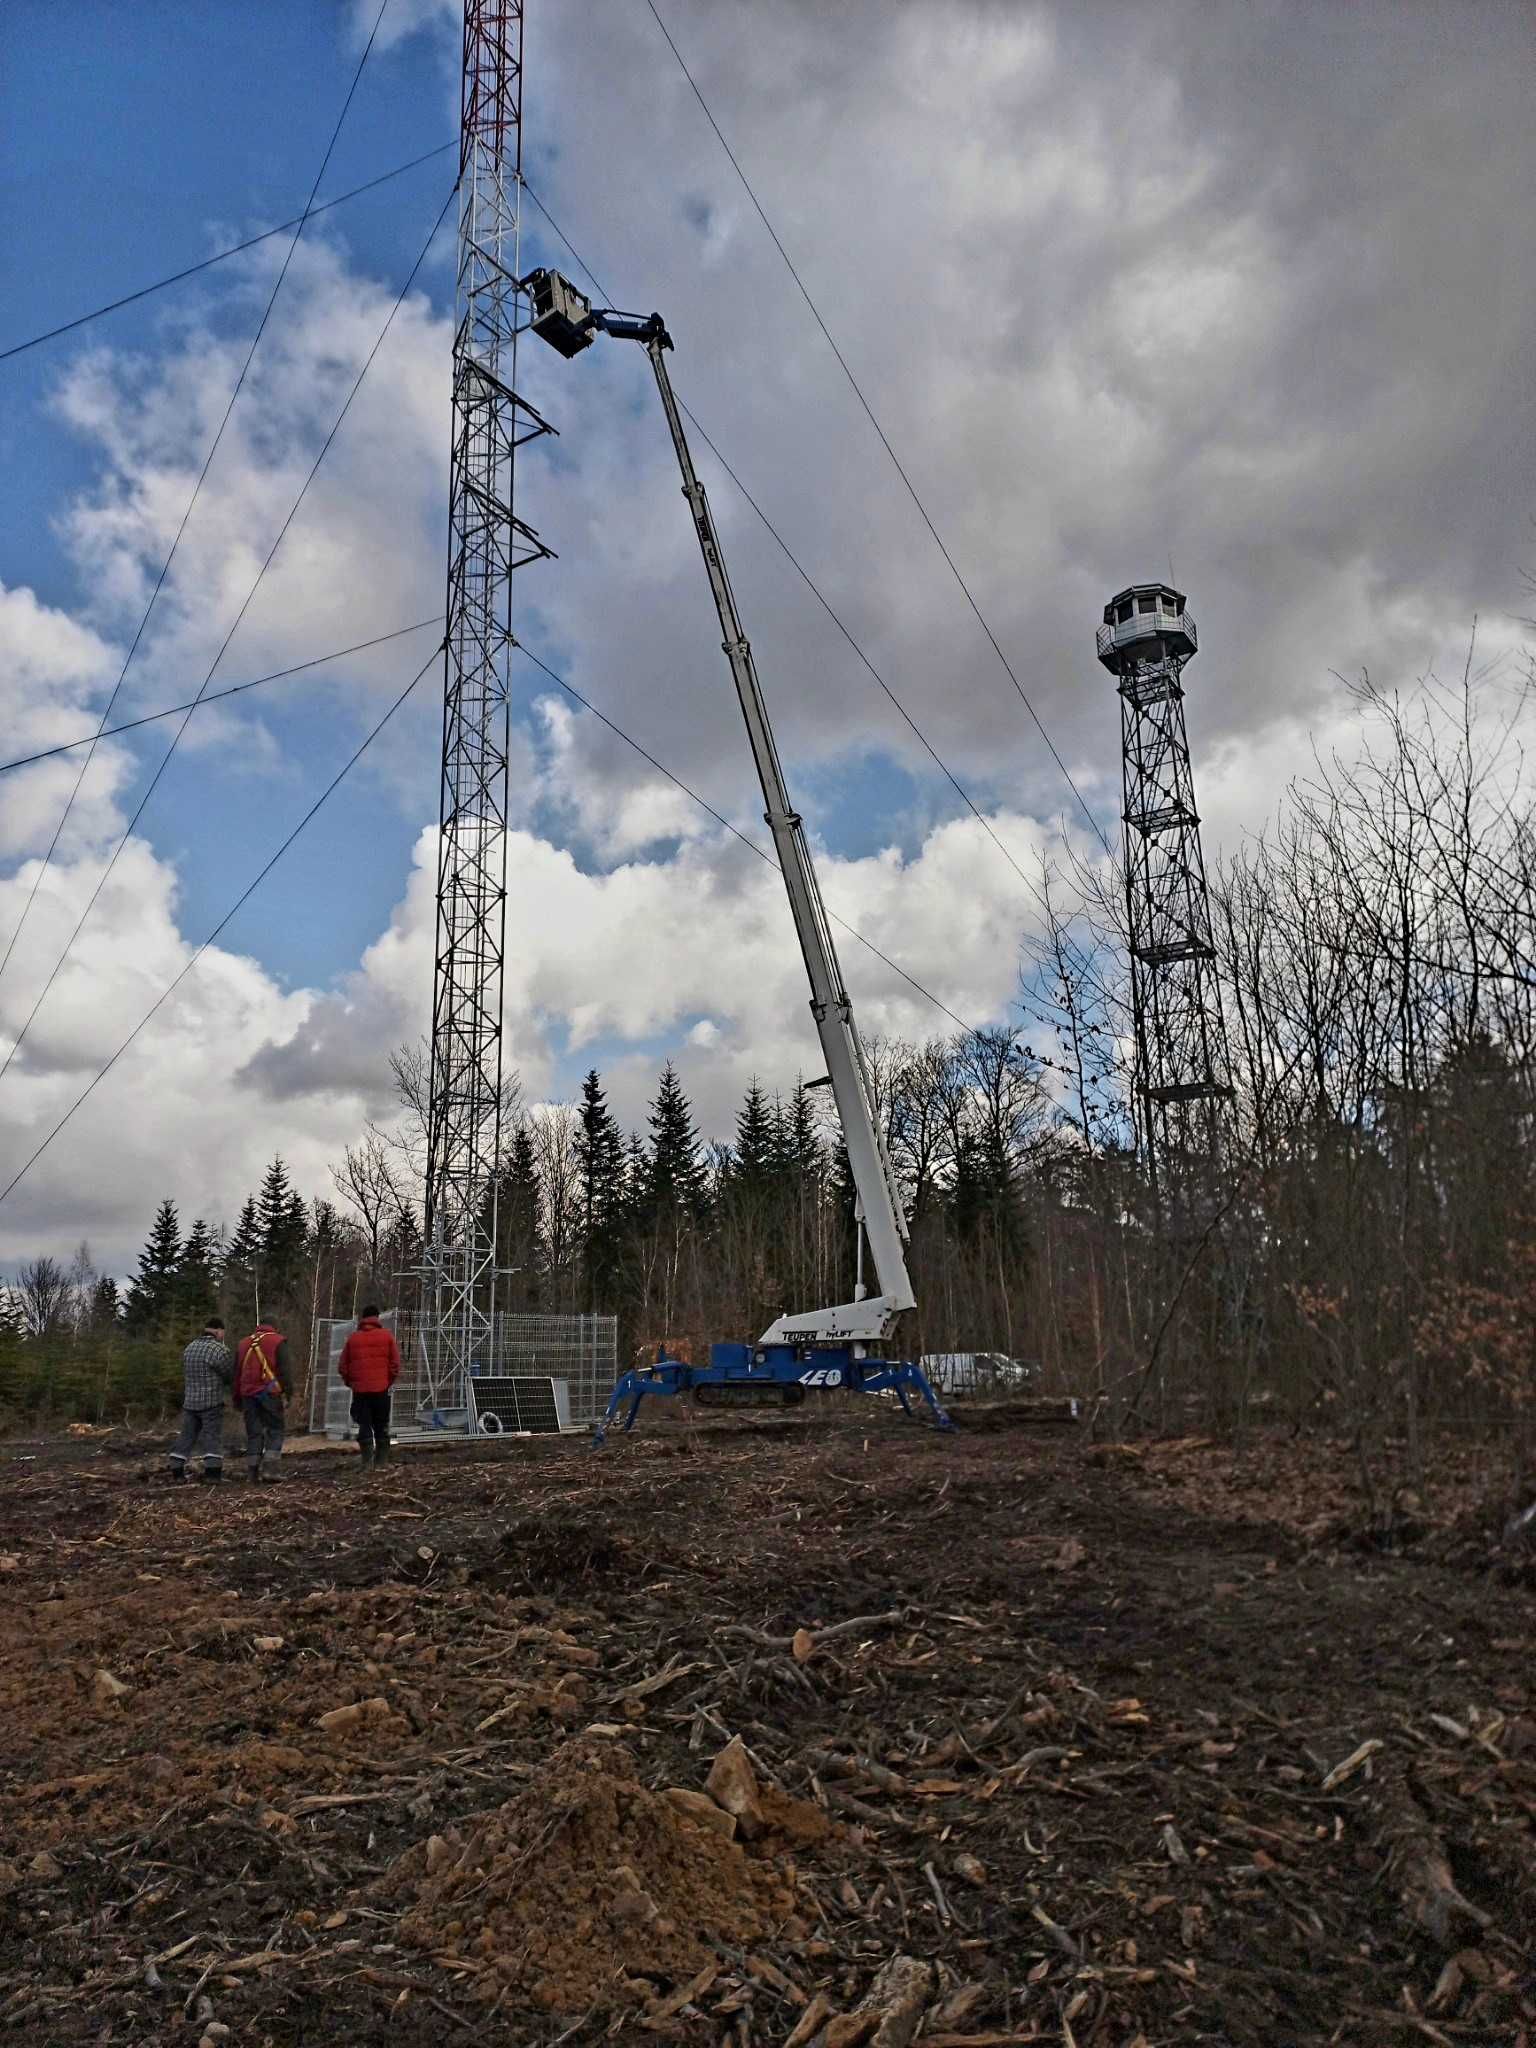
(165, 567)
(576, 695)
(802, 572)
(239, 903)
(361, 646)
(229, 636)
(815, 589)
(20, 348)
(735, 830)
(885, 442)
(278, 675)
(324, 797)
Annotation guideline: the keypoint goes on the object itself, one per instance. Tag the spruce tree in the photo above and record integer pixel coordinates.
(152, 1293)
(245, 1245)
(327, 1249)
(519, 1216)
(636, 1175)
(326, 1234)
(748, 1241)
(970, 1189)
(600, 1163)
(242, 1269)
(801, 1161)
(801, 1154)
(105, 1308)
(197, 1276)
(672, 1205)
(12, 1333)
(752, 1170)
(675, 1180)
(284, 1227)
(748, 1181)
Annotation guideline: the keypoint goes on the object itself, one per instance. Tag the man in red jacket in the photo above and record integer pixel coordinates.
(370, 1365)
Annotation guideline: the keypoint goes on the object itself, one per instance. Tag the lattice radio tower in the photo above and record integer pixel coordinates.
(1181, 1058)
(487, 542)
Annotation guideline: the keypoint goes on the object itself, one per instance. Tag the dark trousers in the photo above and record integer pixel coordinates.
(263, 1432)
(371, 1414)
(207, 1425)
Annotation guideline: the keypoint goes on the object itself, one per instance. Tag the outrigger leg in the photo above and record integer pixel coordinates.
(905, 1377)
(634, 1386)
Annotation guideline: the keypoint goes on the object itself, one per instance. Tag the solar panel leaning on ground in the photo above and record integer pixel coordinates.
(520, 1401)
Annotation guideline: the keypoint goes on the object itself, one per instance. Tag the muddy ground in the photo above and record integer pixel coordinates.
(1028, 1741)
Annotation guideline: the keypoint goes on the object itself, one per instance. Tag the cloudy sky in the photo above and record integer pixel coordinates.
(1243, 294)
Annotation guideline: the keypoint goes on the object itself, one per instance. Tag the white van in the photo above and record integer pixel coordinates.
(978, 1372)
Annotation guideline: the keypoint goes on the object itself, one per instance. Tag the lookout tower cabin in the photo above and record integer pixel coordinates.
(1148, 622)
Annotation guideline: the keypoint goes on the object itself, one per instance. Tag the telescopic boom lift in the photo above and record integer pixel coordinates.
(841, 1346)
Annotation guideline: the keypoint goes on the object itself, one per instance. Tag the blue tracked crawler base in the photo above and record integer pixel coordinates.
(753, 1375)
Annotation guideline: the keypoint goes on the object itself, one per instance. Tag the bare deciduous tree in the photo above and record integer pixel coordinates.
(46, 1297)
(368, 1181)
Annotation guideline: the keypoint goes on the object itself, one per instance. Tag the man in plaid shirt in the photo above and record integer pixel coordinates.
(208, 1370)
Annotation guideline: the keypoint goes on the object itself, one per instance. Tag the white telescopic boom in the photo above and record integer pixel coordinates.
(870, 1318)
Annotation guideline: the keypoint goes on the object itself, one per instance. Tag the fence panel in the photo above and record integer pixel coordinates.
(580, 1350)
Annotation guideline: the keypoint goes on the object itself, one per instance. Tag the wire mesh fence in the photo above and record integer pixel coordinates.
(579, 1353)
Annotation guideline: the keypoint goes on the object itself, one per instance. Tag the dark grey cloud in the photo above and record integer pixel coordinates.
(1247, 290)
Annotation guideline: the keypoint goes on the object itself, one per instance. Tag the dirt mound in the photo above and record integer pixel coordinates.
(581, 1883)
(552, 1554)
(555, 1554)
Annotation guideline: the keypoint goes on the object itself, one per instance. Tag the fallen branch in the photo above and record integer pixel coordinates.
(854, 1624)
(1420, 1868)
(396, 1980)
(980, 2040)
(313, 1802)
(890, 2011)
(845, 1802)
(668, 2009)
(810, 2021)
(855, 1766)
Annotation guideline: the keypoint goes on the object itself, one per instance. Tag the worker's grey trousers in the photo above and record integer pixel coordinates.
(205, 1426)
(263, 1433)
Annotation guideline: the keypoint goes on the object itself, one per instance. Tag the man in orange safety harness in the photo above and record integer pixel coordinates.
(263, 1382)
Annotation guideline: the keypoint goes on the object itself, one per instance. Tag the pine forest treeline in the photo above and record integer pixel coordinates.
(1364, 1250)
(76, 1345)
(679, 1239)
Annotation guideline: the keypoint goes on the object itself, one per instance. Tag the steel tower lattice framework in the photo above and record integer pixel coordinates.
(1145, 641)
(487, 543)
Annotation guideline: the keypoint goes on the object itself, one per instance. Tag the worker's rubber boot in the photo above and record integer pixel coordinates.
(212, 1474)
(365, 1459)
(381, 1454)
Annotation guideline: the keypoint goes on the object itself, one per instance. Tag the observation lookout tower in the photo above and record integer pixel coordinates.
(1145, 641)
(1145, 613)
